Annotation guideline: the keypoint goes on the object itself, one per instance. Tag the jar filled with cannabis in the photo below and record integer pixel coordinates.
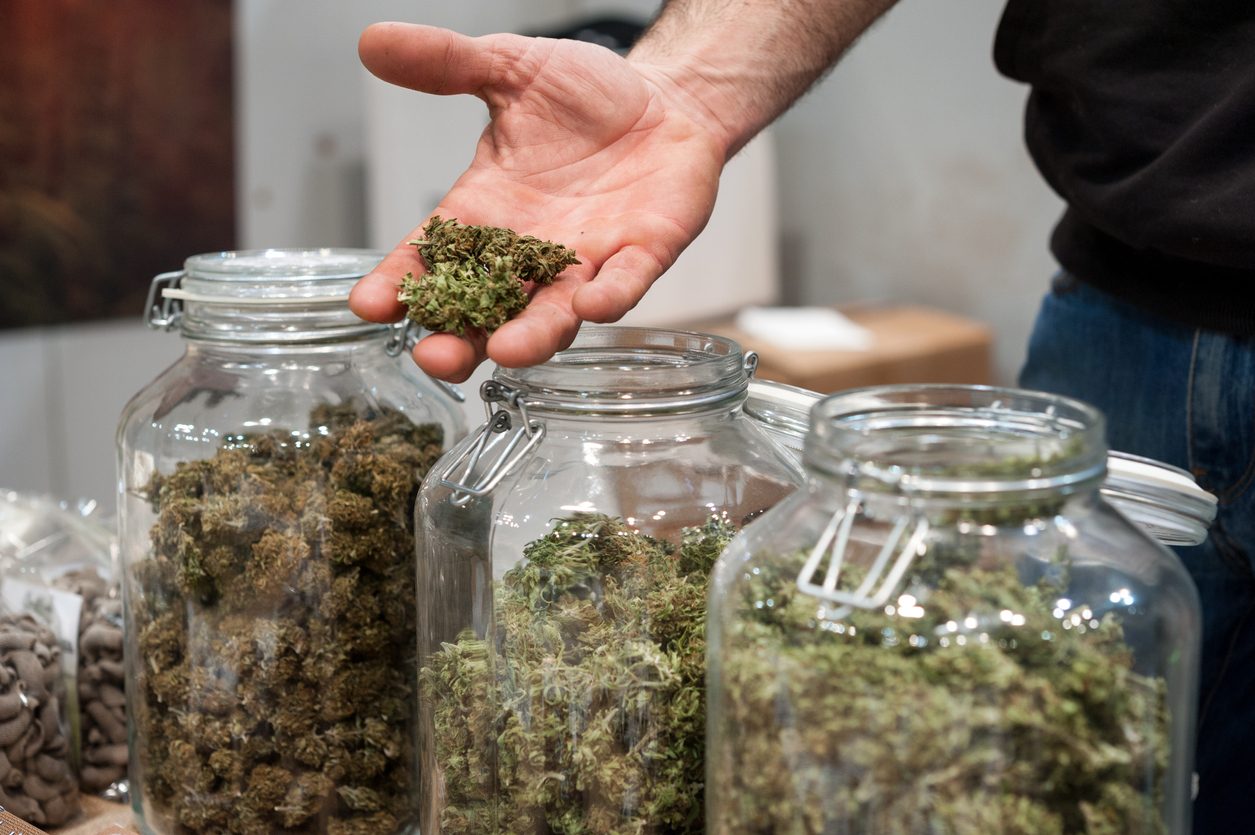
(564, 552)
(950, 631)
(267, 483)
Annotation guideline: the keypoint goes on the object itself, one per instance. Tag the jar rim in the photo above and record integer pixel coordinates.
(944, 439)
(626, 370)
(283, 266)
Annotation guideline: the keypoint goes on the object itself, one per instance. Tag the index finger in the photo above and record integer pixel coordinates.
(374, 296)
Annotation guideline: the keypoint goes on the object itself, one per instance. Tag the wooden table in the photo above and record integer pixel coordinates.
(100, 816)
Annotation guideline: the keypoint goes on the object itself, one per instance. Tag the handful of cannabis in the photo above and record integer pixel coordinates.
(477, 275)
(584, 710)
(275, 621)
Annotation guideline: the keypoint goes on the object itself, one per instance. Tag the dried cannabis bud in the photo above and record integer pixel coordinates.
(276, 621)
(477, 275)
(981, 711)
(456, 296)
(586, 713)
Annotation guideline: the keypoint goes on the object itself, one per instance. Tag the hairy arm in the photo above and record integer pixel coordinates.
(619, 159)
(744, 62)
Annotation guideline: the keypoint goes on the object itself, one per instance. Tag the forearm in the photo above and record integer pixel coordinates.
(740, 63)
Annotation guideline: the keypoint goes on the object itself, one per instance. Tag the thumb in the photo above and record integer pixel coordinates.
(426, 58)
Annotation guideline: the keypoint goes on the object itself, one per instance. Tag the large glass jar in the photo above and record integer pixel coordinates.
(564, 553)
(267, 484)
(948, 630)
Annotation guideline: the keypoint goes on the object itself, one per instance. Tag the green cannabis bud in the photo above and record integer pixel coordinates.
(477, 275)
(455, 296)
(584, 712)
(980, 710)
(275, 620)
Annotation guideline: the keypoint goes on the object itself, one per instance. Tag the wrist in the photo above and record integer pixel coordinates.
(718, 99)
(735, 65)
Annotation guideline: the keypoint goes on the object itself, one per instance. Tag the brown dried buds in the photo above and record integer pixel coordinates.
(275, 621)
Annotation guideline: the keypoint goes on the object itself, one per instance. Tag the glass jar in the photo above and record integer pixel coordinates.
(948, 630)
(267, 482)
(563, 557)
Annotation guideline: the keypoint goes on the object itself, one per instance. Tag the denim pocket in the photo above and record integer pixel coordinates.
(1221, 417)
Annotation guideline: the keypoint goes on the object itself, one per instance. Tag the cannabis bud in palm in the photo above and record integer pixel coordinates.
(477, 275)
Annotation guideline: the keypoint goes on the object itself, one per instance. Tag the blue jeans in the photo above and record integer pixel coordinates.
(1185, 397)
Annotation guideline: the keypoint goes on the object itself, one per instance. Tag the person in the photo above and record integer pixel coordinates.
(1141, 116)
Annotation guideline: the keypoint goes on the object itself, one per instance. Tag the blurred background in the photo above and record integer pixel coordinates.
(135, 133)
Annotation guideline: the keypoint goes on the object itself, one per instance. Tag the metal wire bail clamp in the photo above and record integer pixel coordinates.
(467, 485)
(833, 543)
(163, 312)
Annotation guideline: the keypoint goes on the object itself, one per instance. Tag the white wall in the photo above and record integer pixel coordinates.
(904, 177)
(301, 113)
(63, 391)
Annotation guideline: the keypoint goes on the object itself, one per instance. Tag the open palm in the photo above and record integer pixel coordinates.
(583, 148)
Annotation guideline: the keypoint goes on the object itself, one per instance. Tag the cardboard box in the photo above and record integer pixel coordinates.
(910, 345)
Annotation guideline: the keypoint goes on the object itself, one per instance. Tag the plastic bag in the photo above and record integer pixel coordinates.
(57, 562)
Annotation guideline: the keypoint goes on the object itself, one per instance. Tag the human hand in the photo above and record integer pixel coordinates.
(583, 148)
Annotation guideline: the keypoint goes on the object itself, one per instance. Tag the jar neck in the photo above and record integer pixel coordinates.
(628, 373)
(254, 324)
(965, 445)
(363, 347)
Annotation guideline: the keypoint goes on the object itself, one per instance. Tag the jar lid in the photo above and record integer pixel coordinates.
(263, 295)
(1163, 499)
(267, 276)
(782, 409)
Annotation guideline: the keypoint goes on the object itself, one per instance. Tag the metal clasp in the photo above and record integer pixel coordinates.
(404, 336)
(492, 450)
(162, 313)
(832, 545)
(750, 363)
